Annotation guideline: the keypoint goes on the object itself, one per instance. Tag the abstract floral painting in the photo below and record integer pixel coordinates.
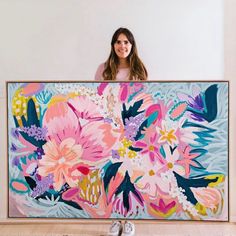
(151, 150)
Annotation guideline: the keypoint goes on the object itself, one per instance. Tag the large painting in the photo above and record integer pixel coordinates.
(151, 150)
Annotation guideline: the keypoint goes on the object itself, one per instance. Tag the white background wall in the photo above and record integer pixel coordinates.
(61, 39)
(67, 40)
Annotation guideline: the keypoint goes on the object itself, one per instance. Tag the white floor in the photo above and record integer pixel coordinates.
(101, 229)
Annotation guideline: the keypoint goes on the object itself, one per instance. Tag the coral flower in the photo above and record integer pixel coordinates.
(58, 160)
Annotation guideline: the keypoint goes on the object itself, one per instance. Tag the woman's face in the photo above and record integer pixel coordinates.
(122, 47)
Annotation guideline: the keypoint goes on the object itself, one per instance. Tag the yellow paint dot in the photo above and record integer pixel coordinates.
(170, 165)
(151, 173)
(121, 152)
(132, 154)
(151, 148)
(126, 142)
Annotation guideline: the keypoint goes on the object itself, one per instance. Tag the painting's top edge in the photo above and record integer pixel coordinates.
(110, 81)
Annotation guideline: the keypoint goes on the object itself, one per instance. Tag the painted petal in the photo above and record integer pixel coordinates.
(208, 197)
(79, 169)
(101, 88)
(152, 109)
(153, 138)
(179, 169)
(183, 96)
(58, 180)
(196, 90)
(60, 121)
(66, 145)
(96, 145)
(178, 110)
(123, 92)
(70, 194)
(152, 156)
(84, 108)
(140, 144)
(147, 100)
(29, 89)
(156, 149)
(144, 151)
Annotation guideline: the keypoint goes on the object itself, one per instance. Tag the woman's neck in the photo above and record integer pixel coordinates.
(123, 63)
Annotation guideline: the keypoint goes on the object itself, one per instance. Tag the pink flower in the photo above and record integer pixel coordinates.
(188, 160)
(163, 208)
(170, 162)
(77, 138)
(150, 148)
(79, 119)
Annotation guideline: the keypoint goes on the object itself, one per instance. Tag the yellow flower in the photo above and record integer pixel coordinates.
(127, 143)
(168, 136)
(132, 154)
(121, 152)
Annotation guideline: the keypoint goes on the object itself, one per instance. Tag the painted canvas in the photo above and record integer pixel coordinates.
(151, 150)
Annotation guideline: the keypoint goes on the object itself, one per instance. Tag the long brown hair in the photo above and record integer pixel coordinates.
(137, 68)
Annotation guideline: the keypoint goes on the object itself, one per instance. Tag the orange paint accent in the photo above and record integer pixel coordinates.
(19, 186)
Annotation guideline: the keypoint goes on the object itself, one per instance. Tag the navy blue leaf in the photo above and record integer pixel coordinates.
(132, 111)
(110, 173)
(126, 187)
(186, 184)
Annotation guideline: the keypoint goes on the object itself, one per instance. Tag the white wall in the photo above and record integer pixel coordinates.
(61, 39)
(67, 39)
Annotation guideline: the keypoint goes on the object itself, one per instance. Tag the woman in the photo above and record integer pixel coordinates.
(123, 62)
